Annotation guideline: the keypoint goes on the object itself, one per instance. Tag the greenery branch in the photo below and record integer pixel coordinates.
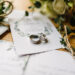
(5, 10)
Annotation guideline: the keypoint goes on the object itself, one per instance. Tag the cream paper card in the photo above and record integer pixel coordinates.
(36, 23)
(10, 63)
(51, 63)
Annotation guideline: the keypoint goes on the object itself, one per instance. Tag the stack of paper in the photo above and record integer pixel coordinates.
(10, 63)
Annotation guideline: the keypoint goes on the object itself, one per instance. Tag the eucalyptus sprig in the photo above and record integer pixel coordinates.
(6, 8)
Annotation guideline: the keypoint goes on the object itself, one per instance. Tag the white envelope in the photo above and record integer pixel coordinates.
(33, 24)
(51, 63)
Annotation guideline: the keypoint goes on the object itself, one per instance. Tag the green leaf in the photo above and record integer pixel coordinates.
(1, 19)
(30, 7)
(73, 49)
(26, 13)
(63, 42)
(70, 4)
(8, 8)
(68, 30)
(56, 20)
(37, 4)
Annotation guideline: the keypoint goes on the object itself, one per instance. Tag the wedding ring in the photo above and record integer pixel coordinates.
(35, 39)
(43, 38)
(38, 39)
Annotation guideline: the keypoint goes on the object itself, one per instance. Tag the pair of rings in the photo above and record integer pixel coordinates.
(38, 39)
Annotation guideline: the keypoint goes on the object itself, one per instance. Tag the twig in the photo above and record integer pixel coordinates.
(67, 41)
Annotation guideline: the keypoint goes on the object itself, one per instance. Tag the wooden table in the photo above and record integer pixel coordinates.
(23, 5)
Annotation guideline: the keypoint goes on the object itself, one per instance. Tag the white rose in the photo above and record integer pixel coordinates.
(59, 6)
(48, 10)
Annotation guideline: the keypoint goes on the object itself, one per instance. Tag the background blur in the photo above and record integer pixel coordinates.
(20, 4)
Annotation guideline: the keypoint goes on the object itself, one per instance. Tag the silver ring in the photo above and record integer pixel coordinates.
(35, 39)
